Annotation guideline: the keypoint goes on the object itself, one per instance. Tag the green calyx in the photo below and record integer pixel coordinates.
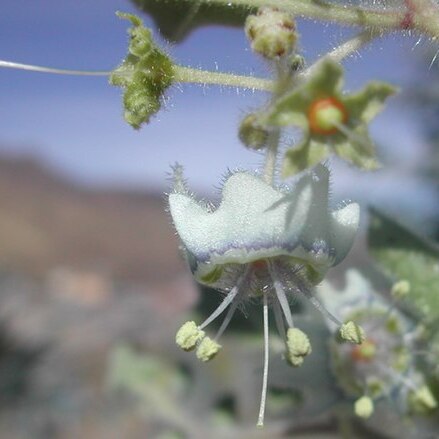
(145, 74)
(332, 122)
(251, 134)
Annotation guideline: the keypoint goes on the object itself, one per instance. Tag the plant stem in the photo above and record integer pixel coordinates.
(182, 74)
(271, 155)
(349, 15)
(189, 75)
(343, 50)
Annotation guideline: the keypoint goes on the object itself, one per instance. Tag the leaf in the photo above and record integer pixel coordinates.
(404, 255)
(176, 19)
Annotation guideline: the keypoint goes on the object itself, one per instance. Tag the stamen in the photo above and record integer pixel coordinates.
(281, 296)
(227, 319)
(279, 319)
(228, 299)
(266, 358)
(303, 289)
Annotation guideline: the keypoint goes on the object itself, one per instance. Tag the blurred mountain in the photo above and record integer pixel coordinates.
(47, 222)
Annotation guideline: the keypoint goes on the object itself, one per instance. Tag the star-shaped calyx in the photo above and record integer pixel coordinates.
(332, 122)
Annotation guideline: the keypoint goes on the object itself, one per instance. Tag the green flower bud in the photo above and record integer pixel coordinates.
(298, 346)
(352, 332)
(188, 336)
(144, 74)
(363, 407)
(207, 349)
(271, 33)
(251, 134)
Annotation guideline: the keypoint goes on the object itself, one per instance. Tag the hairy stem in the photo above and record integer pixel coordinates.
(189, 75)
(182, 74)
(424, 20)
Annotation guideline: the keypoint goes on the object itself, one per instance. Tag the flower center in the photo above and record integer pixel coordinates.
(325, 115)
(364, 352)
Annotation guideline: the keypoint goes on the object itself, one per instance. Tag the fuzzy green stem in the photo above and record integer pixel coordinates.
(271, 155)
(182, 74)
(189, 75)
(422, 21)
(344, 50)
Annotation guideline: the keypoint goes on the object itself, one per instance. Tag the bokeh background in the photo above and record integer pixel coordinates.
(89, 267)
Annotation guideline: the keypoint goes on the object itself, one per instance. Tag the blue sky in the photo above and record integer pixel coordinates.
(75, 123)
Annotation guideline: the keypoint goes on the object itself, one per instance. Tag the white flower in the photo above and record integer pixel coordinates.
(264, 241)
(385, 364)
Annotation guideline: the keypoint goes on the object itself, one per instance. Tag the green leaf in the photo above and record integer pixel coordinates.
(404, 255)
(144, 74)
(304, 156)
(367, 103)
(176, 19)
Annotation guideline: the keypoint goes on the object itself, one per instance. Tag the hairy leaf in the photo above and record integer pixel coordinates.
(404, 255)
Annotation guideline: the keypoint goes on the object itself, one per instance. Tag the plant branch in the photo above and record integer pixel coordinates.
(189, 75)
(343, 50)
(182, 74)
(425, 19)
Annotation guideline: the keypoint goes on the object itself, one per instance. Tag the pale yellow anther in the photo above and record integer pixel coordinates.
(207, 349)
(298, 346)
(400, 289)
(363, 407)
(188, 336)
(423, 400)
(352, 332)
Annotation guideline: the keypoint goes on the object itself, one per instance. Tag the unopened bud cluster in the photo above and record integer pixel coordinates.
(272, 33)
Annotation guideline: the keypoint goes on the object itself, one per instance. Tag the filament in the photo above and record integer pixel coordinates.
(303, 289)
(279, 319)
(281, 297)
(227, 319)
(228, 299)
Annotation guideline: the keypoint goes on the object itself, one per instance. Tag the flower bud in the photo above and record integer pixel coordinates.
(271, 33)
(251, 134)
